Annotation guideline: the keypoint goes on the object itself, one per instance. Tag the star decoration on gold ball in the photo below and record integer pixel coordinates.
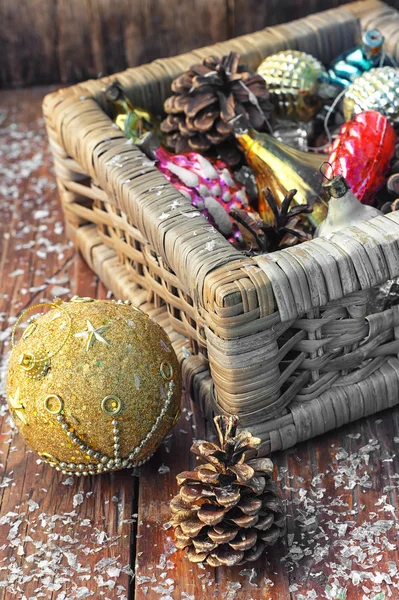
(18, 408)
(91, 334)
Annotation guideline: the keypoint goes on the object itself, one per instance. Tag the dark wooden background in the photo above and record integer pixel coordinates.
(53, 41)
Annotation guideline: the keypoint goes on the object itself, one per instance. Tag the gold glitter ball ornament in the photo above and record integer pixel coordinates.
(377, 90)
(93, 385)
(292, 79)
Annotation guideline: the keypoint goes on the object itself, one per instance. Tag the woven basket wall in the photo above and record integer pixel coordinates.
(285, 340)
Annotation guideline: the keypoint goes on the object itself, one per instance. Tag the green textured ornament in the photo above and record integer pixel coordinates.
(377, 89)
(132, 120)
(292, 78)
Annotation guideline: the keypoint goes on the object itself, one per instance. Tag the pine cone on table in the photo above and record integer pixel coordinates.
(205, 98)
(228, 509)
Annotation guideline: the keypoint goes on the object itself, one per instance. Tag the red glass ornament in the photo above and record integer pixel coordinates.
(362, 153)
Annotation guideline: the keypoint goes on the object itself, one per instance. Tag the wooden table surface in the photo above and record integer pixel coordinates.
(107, 537)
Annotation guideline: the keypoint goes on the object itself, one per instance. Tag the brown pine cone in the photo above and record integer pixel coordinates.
(206, 98)
(287, 229)
(228, 509)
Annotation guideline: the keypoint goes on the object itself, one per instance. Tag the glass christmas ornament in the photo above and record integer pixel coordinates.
(133, 121)
(362, 153)
(281, 169)
(377, 90)
(209, 185)
(292, 78)
(354, 62)
(344, 209)
(294, 134)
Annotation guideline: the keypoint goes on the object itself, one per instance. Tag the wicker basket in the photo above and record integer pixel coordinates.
(284, 340)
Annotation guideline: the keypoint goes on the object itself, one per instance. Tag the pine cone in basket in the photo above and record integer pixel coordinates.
(287, 229)
(228, 509)
(206, 98)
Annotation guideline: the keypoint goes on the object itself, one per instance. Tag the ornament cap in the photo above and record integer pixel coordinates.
(149, 143)
(114, 91)
(336, 187)
(372, 42)
(240, 125)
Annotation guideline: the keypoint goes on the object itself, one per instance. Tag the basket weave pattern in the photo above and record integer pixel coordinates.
(287, 337)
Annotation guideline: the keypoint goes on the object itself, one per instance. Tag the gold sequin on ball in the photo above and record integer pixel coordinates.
(93, 385)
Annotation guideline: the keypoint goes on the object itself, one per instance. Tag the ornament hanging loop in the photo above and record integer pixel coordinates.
(323, 170)
(54, 304)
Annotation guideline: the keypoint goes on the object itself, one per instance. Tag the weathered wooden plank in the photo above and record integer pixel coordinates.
(159, 29)
(59, 537)
(164, 572)
(73, 40)
(344, 521)
(342, 502)
(44, 41)
(28, 42)
(246, 16)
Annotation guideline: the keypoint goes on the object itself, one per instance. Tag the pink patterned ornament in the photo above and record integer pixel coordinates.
(362, 154)
(209, 186)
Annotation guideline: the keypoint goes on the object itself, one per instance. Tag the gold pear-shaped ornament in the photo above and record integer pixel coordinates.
(281, 168)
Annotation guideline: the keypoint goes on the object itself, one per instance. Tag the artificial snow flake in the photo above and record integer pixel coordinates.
(41, 214)
(16, 273)
(32, 505)
(78, 499)
(163, 469)
(68, 481)
(58, 290)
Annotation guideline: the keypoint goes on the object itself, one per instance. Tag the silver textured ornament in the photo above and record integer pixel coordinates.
(377, 89)
(292, 78)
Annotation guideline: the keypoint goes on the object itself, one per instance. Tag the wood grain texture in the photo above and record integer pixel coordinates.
(342, 500)
(28, 42)
(247, 16)
(45, 41)
(63, 540)
(54, 531)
